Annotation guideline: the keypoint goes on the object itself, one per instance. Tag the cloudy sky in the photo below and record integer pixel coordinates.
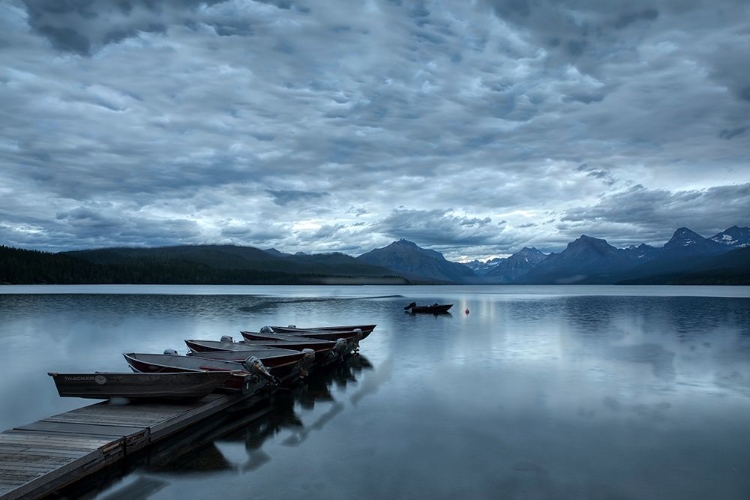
(470, 127)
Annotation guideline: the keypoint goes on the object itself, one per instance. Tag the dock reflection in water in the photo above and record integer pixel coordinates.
(235, 442)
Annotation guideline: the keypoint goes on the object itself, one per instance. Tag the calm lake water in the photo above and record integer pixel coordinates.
(538, 393)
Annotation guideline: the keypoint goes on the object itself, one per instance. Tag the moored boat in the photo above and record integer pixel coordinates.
(351, 338)
(294, 329)
(272, 357)
(326, 351)
(154, 387)
(271, 341)
(303, 363)
(431, 309)
(173, 363)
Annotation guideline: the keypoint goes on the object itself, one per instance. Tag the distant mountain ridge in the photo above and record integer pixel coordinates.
(686, 242)
(586, 260)
(590, 260)
(686, 258)
(734, 237)
(514, 267)
(482, 268)
(411, 261)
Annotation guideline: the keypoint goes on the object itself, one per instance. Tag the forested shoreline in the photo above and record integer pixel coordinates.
(28, 267)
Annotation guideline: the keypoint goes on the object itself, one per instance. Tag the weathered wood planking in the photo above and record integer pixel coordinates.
(43, 456)
(30, 447)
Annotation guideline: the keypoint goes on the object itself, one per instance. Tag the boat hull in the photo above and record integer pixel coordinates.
(433, 309)
(352, 338)
(272, 358)
(162, 387)
(289, 342)
(366, 329)
(164, 363)
(316, 334)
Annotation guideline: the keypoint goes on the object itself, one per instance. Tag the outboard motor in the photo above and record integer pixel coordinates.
(308, 358)
(227, 338)
(255, 366)
(170, 352)
(340, 349)
(266, 329)
(357, 337)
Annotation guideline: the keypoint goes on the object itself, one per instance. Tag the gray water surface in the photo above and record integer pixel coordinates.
(537, 392)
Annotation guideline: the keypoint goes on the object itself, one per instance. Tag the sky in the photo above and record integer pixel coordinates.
(474, 128)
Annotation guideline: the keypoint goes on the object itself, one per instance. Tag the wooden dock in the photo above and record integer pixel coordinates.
(42, 457)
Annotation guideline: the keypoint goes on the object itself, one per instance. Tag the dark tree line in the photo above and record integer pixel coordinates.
(35, 267)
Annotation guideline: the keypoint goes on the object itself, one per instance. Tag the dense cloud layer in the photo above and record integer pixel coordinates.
(473, 128)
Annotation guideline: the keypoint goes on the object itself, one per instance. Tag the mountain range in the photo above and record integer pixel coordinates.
(687, 258)
(721, 259)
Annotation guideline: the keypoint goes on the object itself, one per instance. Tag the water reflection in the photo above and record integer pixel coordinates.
(139, 488)
(561, 394)
(314, 391)
(661, 360)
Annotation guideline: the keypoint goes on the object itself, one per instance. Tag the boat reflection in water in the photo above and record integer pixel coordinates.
(235, 440)
(284, 418)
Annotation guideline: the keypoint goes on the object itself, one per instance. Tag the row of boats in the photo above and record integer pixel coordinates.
(261, 361)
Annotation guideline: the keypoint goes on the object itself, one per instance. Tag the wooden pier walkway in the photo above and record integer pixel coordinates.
(42, 457)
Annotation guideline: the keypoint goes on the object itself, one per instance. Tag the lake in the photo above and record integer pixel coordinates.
(579, 392)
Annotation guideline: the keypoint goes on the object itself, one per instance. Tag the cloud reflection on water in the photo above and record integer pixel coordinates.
(561, 394)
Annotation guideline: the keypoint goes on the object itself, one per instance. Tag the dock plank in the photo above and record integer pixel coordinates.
(49, 438)
(43, 483)
(124, 418)
(31, 452)
(40, 457)
(30, 459)
(82, 429)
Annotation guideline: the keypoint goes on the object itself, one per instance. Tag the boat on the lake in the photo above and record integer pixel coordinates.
(352, 337)
(326, 351)
(272, 357)
(304, 364)
(152, 387)
(174, 363)
(430, 309)
(294, 329)
(332, 335)
(227, 343)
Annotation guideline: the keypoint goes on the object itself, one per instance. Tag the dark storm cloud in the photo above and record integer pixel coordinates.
(730, 133)
(284, 197)
(628, 18)
(592, 34)
(258, 234)
(603, 174)
(98, 218)
(241, 232)
(81, 26)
